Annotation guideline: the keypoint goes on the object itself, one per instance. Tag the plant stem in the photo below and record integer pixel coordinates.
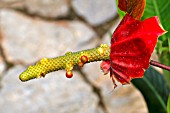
(71, 59)
(67, 62)
(157, 64)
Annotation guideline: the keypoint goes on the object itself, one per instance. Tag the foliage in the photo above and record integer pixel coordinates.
(154, 89)
(161, 9)
(168, 105)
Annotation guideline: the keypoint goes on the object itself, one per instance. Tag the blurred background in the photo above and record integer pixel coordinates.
(33, 29)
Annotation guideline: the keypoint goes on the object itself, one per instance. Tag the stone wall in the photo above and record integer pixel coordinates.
(33, 29)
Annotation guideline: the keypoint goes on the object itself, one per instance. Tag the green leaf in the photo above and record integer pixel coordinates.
(165, 58)
(161, 9)
(154, 89)
(168, 105)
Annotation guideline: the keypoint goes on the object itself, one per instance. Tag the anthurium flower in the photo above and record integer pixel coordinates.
(132, 44)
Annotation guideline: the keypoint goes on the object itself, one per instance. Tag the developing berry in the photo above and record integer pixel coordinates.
(69, 74)
(84, 59)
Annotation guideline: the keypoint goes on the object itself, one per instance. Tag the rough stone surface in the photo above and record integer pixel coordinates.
(123, 99)
(2, 66)
(95, 12)
(54, 94)
(107, 38)
(44, 8)
(26, 40)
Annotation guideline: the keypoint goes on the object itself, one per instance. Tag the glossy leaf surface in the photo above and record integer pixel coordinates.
(161, 9)
(154, 89)
(168, 104)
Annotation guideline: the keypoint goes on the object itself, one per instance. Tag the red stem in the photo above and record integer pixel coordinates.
(157, 64)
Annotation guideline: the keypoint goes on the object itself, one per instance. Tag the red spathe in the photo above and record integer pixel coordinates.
(132, 44)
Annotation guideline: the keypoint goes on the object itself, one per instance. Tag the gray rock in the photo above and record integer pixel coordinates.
(123, 99)
(2, 64)
(44, 8)
(53, 94)
(26, 40)
(107, 38)
(95, 12)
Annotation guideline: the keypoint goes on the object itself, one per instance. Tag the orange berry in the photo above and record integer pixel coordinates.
(69, 74)
(84, 59)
